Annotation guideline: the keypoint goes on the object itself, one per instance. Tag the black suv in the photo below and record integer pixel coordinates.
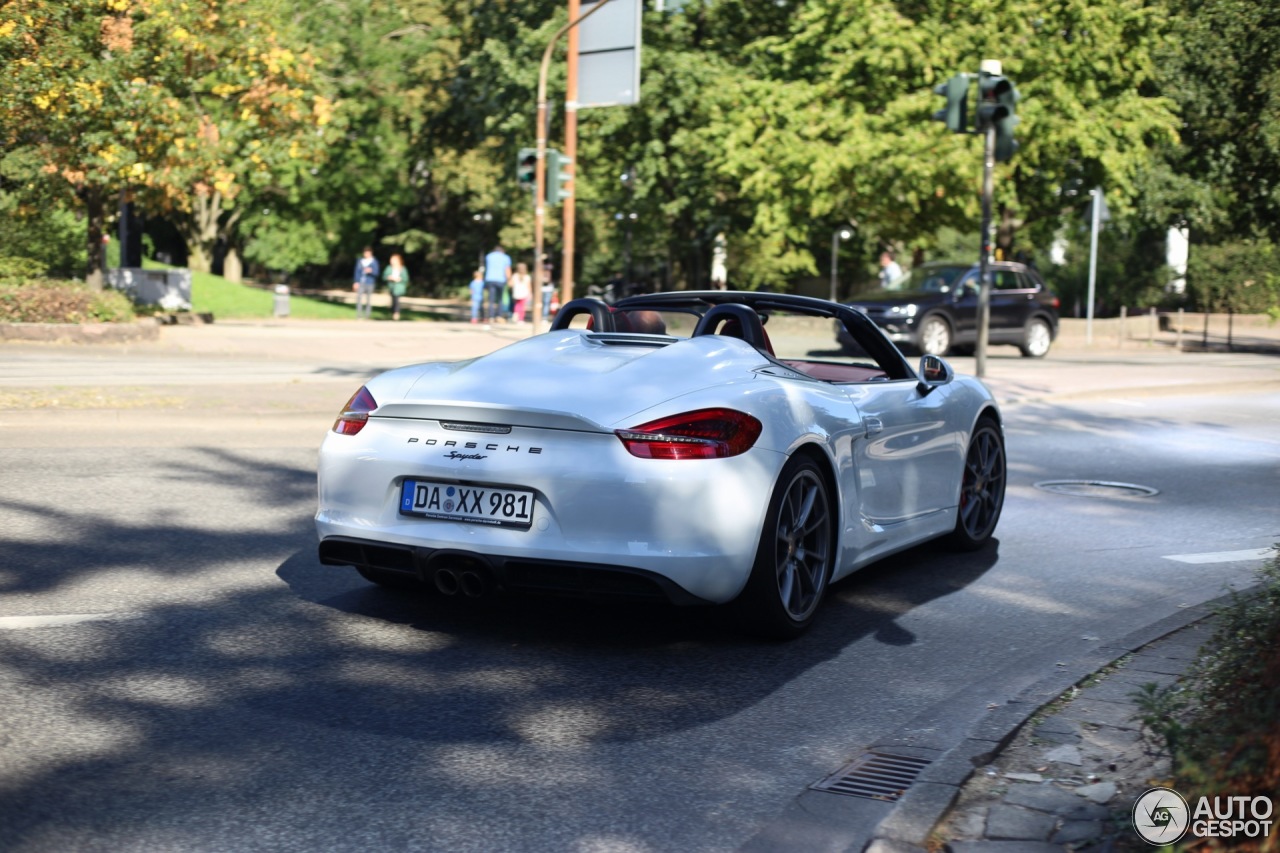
(935, 308)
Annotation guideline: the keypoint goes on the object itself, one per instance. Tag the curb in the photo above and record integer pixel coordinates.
(907, 826)
(81, 333)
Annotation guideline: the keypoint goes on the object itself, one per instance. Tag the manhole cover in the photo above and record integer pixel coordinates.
(1096, 489)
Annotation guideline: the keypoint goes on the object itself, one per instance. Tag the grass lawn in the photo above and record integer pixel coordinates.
(228, 301)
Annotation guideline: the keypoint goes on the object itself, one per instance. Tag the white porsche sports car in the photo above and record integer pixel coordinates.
(698, 447)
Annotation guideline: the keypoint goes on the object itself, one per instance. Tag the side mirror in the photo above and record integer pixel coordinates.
(934, 372)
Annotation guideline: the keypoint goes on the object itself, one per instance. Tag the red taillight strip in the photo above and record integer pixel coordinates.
(701, 434)
(355, 414)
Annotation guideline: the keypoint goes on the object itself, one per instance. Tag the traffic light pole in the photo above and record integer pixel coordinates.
(984, 261)
(540, 169)
(569, 209)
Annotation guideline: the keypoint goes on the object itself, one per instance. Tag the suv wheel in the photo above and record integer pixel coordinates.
(934, 336)
(1036, 338)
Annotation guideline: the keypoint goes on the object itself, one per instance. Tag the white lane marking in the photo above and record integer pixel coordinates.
(1224, 556)
(21, 623)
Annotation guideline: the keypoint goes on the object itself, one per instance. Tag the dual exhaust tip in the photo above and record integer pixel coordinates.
(453, 573)
(450, 582)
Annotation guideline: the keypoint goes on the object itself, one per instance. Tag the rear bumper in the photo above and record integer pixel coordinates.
(508, 574)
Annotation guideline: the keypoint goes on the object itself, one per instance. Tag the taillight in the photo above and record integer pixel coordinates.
(355, 414)
(704, 434)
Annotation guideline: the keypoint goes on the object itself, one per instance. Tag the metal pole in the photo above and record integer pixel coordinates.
(540, 168)
(1178, 345)
(123, 234)
(984, 260)
(626, 258)
(570, 210)
(1124, 321)
(835, 256)
(1093, 262)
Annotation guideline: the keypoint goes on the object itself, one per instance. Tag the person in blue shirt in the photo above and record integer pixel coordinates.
(365, 279)
(497, 274)
(477, 294)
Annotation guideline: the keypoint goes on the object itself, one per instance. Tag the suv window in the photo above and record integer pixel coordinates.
(1007, 280)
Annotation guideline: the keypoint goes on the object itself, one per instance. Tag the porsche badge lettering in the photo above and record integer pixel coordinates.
(474, 445)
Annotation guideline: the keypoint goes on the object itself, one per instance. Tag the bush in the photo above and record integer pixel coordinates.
(1230, 746)
(42, 300)
(1243, 277)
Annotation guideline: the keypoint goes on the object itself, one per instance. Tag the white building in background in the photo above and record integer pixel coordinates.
(1177, 250)
(1058, 249)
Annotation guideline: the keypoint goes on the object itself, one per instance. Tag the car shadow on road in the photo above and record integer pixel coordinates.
(635, 671)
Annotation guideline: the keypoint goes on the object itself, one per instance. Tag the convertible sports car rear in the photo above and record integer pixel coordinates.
(628, 459)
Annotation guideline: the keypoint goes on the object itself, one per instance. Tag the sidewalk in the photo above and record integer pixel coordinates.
(1068, 779)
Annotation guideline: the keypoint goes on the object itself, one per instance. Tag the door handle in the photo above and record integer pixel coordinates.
(873, 426)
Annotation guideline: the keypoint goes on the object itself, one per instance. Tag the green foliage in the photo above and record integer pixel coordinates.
(1243, 276)
(307, 132)
(49, 235)
(1131, 271)
(1231, 742)
(15, 269)
(1160, 709)
(286, 245)
(1220, 66)
(24, 299)
(182, 104)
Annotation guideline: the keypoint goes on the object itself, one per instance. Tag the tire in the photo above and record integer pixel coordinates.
(934, 336)
(393, 580)
(1037, 337)
(981, 489)
(795, 555)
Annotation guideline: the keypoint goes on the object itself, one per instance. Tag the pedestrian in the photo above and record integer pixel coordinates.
(497, 274)
(890, 272)
(548, 289)
(397, 281)
(477, 294)
(365, 279)
(521, 290)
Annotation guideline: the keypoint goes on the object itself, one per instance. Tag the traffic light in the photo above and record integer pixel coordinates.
(997, 102)
(526, 167)
(558, 175)
(956, 112)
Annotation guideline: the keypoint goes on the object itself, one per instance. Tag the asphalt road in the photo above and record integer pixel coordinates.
(179, 673)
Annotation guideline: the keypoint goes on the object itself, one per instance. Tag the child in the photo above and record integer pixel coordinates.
(477, 294)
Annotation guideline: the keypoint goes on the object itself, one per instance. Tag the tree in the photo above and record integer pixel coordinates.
(181, 104)
(1222, 67)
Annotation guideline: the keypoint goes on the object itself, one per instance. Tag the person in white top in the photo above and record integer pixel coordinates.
(521, 290)
(890, 272)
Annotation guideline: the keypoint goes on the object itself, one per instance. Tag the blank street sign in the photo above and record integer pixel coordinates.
(609, 55)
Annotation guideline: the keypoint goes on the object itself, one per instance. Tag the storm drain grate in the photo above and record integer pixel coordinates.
(1096, 489)
(874, 776)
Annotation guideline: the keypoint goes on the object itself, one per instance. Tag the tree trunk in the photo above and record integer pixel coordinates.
(97, 216)
(232, 269)
(200, 230)
(1006, 230)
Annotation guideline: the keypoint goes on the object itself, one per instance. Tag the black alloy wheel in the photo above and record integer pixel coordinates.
(982, 487)
(795, 555)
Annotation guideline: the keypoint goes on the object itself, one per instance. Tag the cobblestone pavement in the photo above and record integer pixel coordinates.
(1069, 778)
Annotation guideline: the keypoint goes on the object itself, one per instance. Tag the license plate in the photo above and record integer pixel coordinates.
(478, 504)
